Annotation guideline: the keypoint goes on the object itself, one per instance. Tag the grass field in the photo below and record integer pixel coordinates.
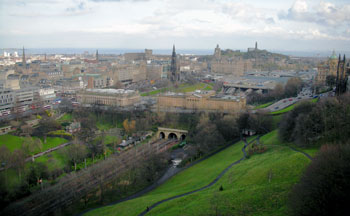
(183, 88)
(256, 186)
(15, 142)
(67, 117)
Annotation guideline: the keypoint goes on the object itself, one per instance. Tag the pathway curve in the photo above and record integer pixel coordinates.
(202, 188)
(219, 176)
(168, 174)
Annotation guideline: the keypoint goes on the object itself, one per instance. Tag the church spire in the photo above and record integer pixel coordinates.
(97, 55)
(173, 67)
(23, 58)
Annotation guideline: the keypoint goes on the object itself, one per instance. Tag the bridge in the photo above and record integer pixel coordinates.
(171, 133)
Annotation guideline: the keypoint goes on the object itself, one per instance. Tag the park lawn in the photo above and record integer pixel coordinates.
(67, 117)
(15, 142)
(111, 139)
(104, 125)
(53, 160)
(11, 142)
(192, 178)
(52, 142)
(182, 88)
(256, 186)
(272, 139)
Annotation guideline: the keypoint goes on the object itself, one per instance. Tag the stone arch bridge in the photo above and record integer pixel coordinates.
(171, 133)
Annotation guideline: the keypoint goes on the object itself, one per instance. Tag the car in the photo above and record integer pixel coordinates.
(284, 101)
(290, 99)
(276, 107)
(299, 97)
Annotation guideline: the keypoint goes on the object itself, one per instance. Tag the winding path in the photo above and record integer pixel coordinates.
(172, 171)
(202, 188)
(218, 177)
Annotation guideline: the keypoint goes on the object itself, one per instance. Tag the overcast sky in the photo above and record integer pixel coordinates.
(301, 25)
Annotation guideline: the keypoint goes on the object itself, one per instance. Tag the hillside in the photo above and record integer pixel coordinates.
(259, 184)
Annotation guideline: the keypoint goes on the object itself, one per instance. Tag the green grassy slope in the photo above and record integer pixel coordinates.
(194, 177)
(256, 186)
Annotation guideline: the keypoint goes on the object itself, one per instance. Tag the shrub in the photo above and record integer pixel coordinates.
(325, 185)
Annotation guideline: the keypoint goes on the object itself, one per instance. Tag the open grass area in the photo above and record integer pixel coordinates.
(256, 186)
(104, 125)
(67, 117)
(11, 142)
(182, 88)
(15, 142)
(53, 160)
(52, 142)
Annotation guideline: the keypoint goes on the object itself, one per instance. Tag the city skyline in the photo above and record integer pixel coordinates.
(135, 24)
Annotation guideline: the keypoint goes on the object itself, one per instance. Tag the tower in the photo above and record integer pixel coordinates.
(23, 59)
(173, 67)
(342, 79)
(256, 45)
(97, 55)
(217, 52)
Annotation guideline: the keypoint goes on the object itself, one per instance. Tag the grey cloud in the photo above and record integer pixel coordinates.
(324, 13)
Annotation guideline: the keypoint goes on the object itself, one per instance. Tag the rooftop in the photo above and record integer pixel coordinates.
(111, 91)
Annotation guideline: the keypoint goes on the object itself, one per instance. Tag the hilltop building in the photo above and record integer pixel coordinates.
(229, 64)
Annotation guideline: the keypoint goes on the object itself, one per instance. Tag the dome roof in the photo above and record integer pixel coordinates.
(333, 56)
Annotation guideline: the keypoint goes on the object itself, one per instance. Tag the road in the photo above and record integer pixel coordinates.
(281, 104)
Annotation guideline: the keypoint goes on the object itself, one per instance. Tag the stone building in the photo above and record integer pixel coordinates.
(229, 65)
(109, 97)
(204, 101)
(327, 68)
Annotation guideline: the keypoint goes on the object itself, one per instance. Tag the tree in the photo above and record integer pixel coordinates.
(293, 86)
(129, 127)
(5, 156)
(331, 80)
(37, 171)
(75, 153)
(325, 185)
(18, 161)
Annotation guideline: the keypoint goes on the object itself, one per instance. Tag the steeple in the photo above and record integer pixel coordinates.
(173, 67)
(23, 58)
(97, 55)
(256, 45)
(174, 53)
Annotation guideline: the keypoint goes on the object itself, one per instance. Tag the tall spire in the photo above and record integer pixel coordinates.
(256, 45)
(174, 53)
(173, 67)
(97, 55)
(23, 58)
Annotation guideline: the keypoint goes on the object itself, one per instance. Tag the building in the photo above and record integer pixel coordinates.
(73, 127)
(47, 94)
(204, 101)
(229, 65)
(327, 68)
(7, 99)
(109, 97)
